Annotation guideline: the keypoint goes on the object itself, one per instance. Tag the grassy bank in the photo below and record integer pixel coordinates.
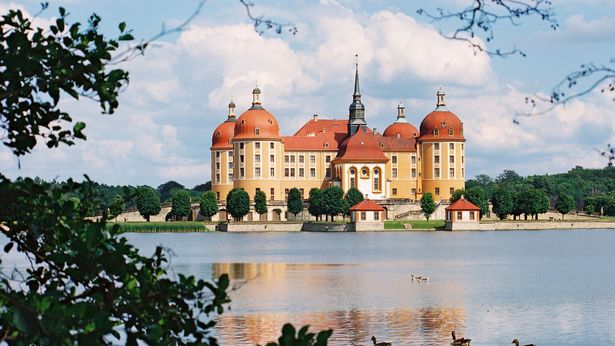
(415, 224)
(173, 227)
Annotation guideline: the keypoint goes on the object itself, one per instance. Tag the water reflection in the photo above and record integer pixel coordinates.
(282, 293)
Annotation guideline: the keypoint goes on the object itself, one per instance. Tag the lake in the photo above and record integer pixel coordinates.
(543, 287)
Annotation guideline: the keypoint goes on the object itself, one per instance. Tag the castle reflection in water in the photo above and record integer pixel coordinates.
(276, 286)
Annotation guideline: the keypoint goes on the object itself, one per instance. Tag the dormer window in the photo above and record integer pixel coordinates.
(414, 134)
(270, 121)
(450, 132)
(444, 124)
(257, 131)
(326, 145)
(243, 122)
(436, 132)
(219, 133)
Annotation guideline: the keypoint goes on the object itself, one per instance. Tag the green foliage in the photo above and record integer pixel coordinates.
(148, 202)
(260, 202)
(290, 337)
(484, 182)
(316, 203)
(531, 202)
(238, 203)
(502, 202)
(154, 227)
(333, 201)
(117, 206)
(427, 205)
(203, 187)
(564, 204)
(208, 204)
(589, 208)
(295, 201)
(39, 66)
(180, 204)
(167, 189)
(352, 197)
(86, 282)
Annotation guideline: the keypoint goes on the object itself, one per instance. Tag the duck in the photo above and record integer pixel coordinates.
(459, 341)
(380, 343)
(516, 342)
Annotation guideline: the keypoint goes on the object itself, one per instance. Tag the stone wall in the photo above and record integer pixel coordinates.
(547, 225)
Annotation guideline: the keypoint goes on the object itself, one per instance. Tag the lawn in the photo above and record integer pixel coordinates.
(416, 224)
(151, 227)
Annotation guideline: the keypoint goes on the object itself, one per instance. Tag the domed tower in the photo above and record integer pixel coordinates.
(401, 128)
(258, 151)
(222, 155)
(442, 150)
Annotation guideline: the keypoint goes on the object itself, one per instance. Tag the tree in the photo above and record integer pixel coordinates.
(294, 202)
(260, 202)
(352, 197)
(167, 189)
(428, 206)
(316, 202)
(333, 201)
(302, 337)
(589, 208)
(502, 201)
(180, 204)
(148, 202)
(238, 203)
(565, 203)
(208, 205)
(117, 206)
(203, 187)
(476, 195)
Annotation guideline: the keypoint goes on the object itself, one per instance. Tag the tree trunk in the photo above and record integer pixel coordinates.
(147, 218)
(525, 217)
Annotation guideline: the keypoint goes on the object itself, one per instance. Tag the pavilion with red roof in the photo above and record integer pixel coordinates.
(461, 215)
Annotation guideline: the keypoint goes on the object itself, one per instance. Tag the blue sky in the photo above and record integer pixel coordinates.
(179, 90)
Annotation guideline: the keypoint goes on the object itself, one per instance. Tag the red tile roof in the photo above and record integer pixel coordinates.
(221, 139)
(363, 146)
(396, 144)
(443, 121)
(462, 204)
(324, 141)
(315, 126)
(367, 205)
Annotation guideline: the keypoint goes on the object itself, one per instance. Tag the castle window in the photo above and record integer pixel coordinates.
(328, 158)
(451, 146)
(241, 158)
(271, 193)
(462, 173)
(436, 132)
(461, 146)
(471, 215)
(272, 172)
(243, 122)
(459, 215)
(230, 165)
(376, 215)
(218, 196)
(413, 191)
(217, 154)
(230, 177)
(292, 159)
(326, 145)
(286, 158)
(436, 173)
(217, 165)
(328, 172)
(218, 178)
(312, 172)
(257, 158)
(436, 159)
(271, 145)
(286, 172)
(462, 159)
(241, 172)
(413, 158)
(353, 178)
(257, 131)
(292, 172)
(286, 194)
(413, 172)
(394, 159)
(230, 155)
(301, 172)
(443, 124)
(437, 191)
(394, 192)
(451, 159)
(272, 158)
(257, 145)
(312, 159)
(381, 145)
(450, 132)
(302, 192)
(436, 146)
(394, 172)
(377, 187)
(364, 172)
(241, 146)
(451, 172)
(301, 158)
(451, 190)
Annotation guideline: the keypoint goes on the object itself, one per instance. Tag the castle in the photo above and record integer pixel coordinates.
(402, 163)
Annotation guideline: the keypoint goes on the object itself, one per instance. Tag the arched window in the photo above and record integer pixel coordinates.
(364, 173)
(353, 178)
(377, 180)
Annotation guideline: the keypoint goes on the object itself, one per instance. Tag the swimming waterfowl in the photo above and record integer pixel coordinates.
(459, 341)
(419, 278)
(516, 342)
(380, 343)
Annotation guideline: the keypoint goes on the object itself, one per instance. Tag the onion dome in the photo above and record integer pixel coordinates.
(361, 147)
(401, 128)
(221, 139)
(256, 122)
(441, 124)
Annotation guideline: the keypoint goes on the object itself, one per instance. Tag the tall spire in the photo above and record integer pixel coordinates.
(356, 116)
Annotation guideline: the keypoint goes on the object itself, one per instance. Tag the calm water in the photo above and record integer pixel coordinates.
(547, 287)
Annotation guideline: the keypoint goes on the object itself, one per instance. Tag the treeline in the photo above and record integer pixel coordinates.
(591, 190)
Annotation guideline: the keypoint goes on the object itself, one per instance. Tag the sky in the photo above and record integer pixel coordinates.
(179, 90)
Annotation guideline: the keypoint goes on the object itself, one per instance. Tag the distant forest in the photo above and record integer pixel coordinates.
(593, 190)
